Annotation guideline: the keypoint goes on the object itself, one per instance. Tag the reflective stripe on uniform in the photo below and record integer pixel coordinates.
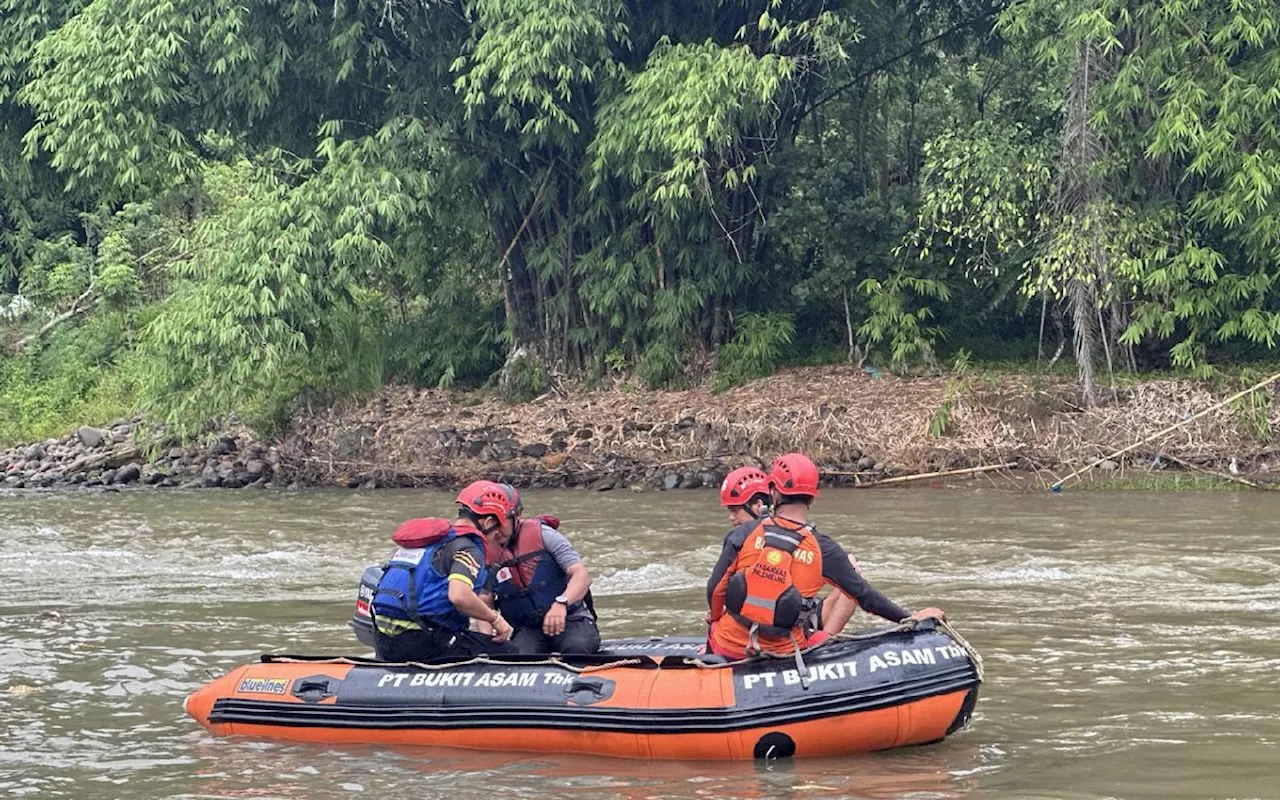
(391, 627)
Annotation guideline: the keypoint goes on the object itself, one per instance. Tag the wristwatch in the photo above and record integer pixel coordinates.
(563, 599)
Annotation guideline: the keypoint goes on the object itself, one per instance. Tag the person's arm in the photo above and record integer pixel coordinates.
(720, 572)
(567, 558)
(464, 568)
(837, 571)
(579, 580)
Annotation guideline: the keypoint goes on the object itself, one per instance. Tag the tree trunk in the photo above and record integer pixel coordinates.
(1080, 193)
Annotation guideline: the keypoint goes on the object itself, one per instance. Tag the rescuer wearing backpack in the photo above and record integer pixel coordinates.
(762, 594)
(428, 594)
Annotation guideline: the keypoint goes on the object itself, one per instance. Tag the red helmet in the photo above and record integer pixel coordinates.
(741, 485)
(794, 474)
(486, 498)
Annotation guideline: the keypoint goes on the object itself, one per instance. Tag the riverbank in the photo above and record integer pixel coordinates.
(861, 430)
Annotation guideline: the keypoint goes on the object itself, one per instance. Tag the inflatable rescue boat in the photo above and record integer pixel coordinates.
(638, 698)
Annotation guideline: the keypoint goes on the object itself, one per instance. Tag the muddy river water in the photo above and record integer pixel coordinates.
(1131, 641)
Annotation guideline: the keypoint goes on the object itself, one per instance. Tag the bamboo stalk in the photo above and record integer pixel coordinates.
(1058, 486)
(1226, 476)
(943, 474)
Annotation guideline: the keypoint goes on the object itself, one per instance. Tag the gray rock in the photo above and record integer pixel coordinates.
(108, 475)
(255, 467)
(534, 450)
(558, 443)
(712, 479)
(476, 447)
(584, 433)
(121, 433)
(672, 480)
(1108, 466)
(175, 453)
(154, 478)
(32, 466)
(90, 437)
(223, 446)
(13, 482)
(693, 481)
(499, 434)
(129, 473)
(685, 423)
(866, 464)
(878, 467)
(35, 452)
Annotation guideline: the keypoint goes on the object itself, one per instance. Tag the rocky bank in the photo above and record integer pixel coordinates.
(860, 430)
(128, 453)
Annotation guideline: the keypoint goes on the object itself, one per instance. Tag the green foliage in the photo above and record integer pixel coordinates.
(660, 365)
(896, 322)
(73, 378)
(266, 201)
(755, 350)
(523, 377)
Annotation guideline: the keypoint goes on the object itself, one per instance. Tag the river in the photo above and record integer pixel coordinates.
(1132, 641)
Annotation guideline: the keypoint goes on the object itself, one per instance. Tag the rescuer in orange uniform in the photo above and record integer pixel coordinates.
(762, 594)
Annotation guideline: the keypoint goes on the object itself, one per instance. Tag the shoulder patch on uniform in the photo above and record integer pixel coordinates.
(467, 560)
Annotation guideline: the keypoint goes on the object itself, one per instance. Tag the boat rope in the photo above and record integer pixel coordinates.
(480, 659)
(964, 645)
(906, 625)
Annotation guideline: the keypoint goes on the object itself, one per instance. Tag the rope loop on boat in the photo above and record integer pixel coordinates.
(964, 645)
(908, 624)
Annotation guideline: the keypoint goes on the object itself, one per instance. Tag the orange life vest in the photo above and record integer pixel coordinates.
(771, 590)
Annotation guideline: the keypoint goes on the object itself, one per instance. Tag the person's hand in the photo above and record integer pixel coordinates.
(929, 613)
(553, 622)
(501, 630)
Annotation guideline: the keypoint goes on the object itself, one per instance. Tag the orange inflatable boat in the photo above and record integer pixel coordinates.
(639, 698)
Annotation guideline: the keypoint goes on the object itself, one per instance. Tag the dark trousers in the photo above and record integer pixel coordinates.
(425, 645)
(580, 636)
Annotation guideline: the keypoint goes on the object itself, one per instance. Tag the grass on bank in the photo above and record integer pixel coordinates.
(1165, 481)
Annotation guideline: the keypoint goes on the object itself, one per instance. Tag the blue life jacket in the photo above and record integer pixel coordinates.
(527, 579)
(411, 573)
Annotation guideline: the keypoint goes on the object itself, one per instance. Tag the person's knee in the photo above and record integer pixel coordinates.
(580, 636)
(529, 641)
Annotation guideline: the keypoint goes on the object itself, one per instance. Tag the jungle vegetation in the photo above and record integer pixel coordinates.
(213, 208)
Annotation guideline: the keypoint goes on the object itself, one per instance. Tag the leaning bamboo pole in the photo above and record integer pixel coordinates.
(943, 474)
(1057, 487)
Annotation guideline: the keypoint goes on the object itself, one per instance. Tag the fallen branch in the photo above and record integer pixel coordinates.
(946, 473)
(1058, 486)
(1226, 476)
(22, 343)
(115, 457)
